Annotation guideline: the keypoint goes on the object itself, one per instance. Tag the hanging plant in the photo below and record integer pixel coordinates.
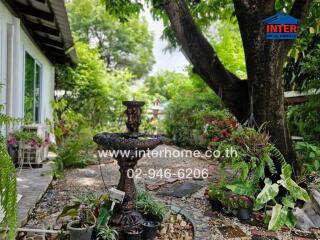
(8, 194)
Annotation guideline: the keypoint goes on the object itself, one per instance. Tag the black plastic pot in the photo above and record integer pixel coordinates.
(153, 218)
(133, 234)
(150, 230)
(243, 214)
(216, 205)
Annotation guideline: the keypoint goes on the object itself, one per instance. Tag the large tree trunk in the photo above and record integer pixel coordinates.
(264, 61)
(263, 92)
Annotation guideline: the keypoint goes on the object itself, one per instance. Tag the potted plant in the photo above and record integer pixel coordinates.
(82, 229)
(107, 233)
(29, 146)
(230, 204)
(150, 229)
(133, 234)
(215, 196)
(93, 213)
(245, 204)
(13, 147)
(151, 209)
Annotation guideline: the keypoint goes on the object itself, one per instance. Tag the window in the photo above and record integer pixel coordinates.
(32, 90)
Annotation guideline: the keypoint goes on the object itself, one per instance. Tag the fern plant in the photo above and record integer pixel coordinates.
(8, 194)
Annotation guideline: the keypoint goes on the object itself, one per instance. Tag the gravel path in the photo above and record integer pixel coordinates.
(207, 225)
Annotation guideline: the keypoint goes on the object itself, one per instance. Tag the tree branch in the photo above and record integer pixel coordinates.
(204, 59)
(300, 9)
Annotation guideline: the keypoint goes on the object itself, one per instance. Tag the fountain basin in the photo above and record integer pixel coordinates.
(131, 142)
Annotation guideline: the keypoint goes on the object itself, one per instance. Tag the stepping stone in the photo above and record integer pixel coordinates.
(263, 235)
(258, 237)
(303, 236)
(153, 187)
(230, 232)
(171, 180)
(181, 189)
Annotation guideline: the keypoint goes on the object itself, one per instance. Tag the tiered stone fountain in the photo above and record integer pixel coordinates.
(125, 217)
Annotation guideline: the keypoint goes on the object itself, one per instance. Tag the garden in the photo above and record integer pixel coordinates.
(227, 148)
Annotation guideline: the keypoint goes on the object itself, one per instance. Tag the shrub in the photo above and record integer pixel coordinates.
(310, 155)
(303, 120)
(75, 151)
(185, 119)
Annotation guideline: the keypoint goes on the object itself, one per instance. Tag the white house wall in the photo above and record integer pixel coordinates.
(22, 43)
(47, 76)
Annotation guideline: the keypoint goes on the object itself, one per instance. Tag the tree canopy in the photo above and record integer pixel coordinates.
(122, 45)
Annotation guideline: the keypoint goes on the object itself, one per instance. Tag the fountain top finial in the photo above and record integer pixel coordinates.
(133, 113)
(133, 103)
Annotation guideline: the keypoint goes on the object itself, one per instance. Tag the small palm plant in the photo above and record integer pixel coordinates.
(107, 233)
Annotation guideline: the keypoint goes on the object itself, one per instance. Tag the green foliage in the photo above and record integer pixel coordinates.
(191, 102)
(27, 137)
(310, 156)
(232, 56)
(242, 187)
(8, 196)
(75, 151)
(144, 202)
(303, 120)
(245, 202)
(300, 70)
(161, 85)
(252, 158)
(230, 197)
(92, 90)
(254, 155)
(269, 192)
(216, 191)
(122, 45)
(90, 209)
(108, 233)
(281, 212)
(204, 13)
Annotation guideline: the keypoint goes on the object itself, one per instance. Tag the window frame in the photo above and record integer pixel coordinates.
(36, 63)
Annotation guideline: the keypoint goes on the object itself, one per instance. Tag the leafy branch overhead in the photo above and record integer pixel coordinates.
(122, 44)
(260, 99)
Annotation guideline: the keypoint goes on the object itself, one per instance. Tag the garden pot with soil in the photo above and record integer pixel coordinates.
(244, 209)
(78, 233)
(216, 205)
(153, 218)
(133, 234)
(150, 229)
(243, 214)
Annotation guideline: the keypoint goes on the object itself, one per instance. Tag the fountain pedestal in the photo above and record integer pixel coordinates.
(125, 217)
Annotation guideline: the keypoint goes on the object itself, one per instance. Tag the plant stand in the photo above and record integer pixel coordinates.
(29, 156)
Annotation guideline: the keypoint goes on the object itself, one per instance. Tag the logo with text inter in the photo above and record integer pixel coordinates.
(281, 27)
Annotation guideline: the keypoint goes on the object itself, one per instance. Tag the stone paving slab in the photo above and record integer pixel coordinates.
(180, 190)
(31, 184)
(230, 232)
